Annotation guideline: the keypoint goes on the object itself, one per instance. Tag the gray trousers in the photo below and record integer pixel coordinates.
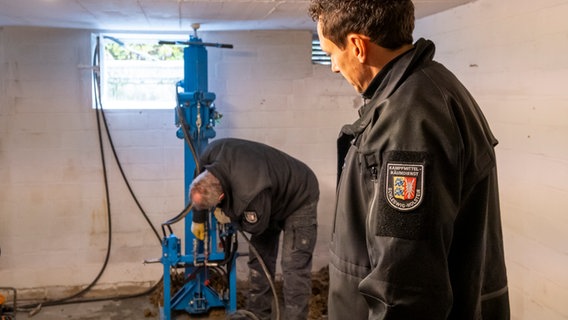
(300, 234)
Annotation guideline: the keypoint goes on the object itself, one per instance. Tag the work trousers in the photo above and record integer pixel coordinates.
(299, 239)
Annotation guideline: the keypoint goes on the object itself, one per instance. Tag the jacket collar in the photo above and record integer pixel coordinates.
(388, 80)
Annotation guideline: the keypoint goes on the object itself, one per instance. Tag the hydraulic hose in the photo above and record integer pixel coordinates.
(266, 273)
(35, 308)
(187, 138)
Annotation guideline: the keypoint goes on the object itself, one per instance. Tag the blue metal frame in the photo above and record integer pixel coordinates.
(197, 120)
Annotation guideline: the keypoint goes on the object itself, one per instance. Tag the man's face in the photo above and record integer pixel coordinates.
(344, 61)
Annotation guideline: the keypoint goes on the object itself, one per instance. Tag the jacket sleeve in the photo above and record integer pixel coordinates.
(407, 240)
(200, 216)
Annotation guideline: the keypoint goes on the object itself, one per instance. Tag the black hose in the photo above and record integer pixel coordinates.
(189, 142)
(109, 220)
(176, 219)
(119, 165)
(187, 138)
(267, 273)
(100, 114)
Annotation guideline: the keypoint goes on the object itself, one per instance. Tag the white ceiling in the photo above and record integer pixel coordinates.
(174, 15)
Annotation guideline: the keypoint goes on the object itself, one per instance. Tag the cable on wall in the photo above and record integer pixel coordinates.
(101, 120)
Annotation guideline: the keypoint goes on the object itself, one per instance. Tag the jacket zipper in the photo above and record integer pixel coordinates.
(370, 215)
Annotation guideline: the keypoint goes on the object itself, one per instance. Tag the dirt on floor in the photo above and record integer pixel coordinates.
(318, 299)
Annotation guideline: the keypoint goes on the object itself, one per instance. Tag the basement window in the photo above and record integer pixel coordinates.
(136, 72)
(318, 56)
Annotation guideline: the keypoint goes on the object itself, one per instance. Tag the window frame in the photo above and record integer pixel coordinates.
(137, 91)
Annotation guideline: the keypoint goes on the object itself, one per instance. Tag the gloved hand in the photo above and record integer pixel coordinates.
(198, 230)
(221, 217)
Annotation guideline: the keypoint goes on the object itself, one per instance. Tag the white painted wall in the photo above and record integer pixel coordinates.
(511, 54)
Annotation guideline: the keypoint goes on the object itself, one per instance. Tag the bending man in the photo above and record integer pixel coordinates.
(263, 191)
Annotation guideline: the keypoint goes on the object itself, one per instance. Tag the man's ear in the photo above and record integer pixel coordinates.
(358, 44)
(222, 196)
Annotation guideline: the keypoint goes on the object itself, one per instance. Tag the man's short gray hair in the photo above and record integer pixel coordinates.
(208, 187)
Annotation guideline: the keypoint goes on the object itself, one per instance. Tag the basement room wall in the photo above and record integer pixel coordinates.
(54, 222)
(513, 56)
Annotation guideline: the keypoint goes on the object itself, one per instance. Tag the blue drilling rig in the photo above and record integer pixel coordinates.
(209, 266)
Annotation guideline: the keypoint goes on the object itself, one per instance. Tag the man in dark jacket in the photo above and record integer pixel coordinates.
(417, 230)
(263, 191)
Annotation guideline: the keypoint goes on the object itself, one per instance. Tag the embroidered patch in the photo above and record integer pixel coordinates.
(404, 189)
(251, 217)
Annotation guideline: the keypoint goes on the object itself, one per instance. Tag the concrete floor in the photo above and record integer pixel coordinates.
(128, 309)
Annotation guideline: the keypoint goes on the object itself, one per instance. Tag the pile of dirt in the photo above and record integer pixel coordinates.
(318, 299)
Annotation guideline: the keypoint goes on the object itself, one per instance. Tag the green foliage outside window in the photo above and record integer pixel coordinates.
(143, 51)
(140, 74)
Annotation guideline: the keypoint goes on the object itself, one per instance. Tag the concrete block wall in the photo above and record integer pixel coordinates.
(52, 216)
(513, 56)
(54, 228)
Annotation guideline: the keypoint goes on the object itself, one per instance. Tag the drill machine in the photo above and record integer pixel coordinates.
(209, 266)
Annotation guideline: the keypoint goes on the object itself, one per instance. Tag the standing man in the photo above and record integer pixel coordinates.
(263, 191)
(417, 231)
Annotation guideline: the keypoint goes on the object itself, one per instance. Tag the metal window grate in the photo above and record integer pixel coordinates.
(318, 56)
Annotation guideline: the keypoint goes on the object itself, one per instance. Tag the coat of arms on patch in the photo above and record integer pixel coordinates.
(404, 185)
(251, 217)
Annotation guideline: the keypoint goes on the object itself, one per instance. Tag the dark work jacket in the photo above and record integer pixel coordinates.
(262, 185)
(417, 229)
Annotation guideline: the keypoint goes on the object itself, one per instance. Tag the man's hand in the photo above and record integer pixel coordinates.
(221, 217)
(198, 230)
